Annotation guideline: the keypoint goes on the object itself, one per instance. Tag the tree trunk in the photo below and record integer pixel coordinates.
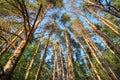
(115, 13)
(31, 62)
(88, 42)
(43, 57)
(88, 57)
(110, 71)
(62, 65)
(70, 63)
(104, 22)
(11, 64)
(55, 72)
(108, 41)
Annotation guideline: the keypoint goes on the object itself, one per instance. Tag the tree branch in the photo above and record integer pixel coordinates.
(11, 33)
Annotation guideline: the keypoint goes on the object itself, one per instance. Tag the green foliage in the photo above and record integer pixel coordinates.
(65, 18)
(23, 63)
(11, 18)
(116, 4)
(79, 72)
(113, 60)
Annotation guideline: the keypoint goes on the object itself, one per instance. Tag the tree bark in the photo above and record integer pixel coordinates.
(11, 64)
(70, 62)
(55, 72)
(115, 13)
(43, 57)
(62, 64)
(9, 45)
(104, 22)
(31, 62)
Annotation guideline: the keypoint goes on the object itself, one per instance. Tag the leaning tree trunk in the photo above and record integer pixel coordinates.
(31, 62)
(111, 72)
(104, 21)
(108, 41)
(92, 65)
(113, 12)
(87, 39)
(37, 77)
(70, 63)
(11, 64)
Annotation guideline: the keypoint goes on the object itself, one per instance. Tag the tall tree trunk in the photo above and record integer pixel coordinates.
(11, 64)
(70, 63)
(115, 13)
(87, 39)
(104, 22)
(31, 62)
(92, 65)
(43, 57)
(108, 41)
(62, 64)
(110, 71)
(112, 51)
(55, 72)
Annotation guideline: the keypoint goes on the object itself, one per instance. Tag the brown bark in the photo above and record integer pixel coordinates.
(115, 13)
(31, 62)
(110, 71)
(9, 45)
(11, 36)
(43, 57)
(92, 46)
(62, 64)
(70, 63)
(87, 39)
(11, 64)
(55, 72)
(104, 22)
(108, 41)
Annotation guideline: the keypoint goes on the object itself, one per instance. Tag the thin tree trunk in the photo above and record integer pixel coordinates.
(111, 72)
(88, 42)
(43, 57)
(112, 51)
(91, 44)
(31, 62)
(88, 57)
(62, 64)
(108, 41)
(55, 72)
(66, 68)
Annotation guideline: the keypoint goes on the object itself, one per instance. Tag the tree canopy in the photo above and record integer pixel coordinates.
(59, 40)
